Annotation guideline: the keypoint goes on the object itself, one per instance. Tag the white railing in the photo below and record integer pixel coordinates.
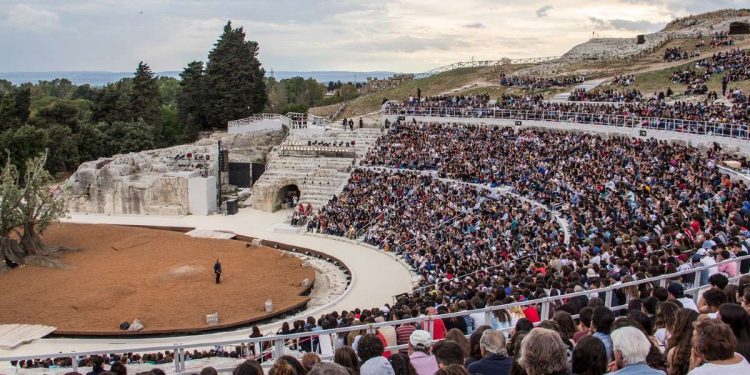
(736, 130)
(277, 344)
(292, 120)
(485, 63)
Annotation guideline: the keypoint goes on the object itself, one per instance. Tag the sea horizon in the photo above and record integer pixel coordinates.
(101, 78)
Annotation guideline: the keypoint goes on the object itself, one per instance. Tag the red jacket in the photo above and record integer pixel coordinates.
(531, 314)
(438, 326)
(386, 353)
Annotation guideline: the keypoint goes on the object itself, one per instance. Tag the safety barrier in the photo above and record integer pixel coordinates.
(736, 130)
(272, 347)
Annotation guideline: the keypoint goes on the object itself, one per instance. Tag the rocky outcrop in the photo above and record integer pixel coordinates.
(155, 182)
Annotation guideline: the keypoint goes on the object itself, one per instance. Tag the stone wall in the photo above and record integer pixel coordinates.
(375, 85)
(155, 182)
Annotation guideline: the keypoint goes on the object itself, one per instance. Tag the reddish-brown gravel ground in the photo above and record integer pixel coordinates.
(165, 279)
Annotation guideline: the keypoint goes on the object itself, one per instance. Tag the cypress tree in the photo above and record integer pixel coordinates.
(190, 100)
(145, 99)
(235, 84)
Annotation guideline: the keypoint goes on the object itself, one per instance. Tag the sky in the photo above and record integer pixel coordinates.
(353, 35)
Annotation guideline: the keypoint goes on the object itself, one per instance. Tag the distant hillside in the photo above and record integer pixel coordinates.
(98, 78)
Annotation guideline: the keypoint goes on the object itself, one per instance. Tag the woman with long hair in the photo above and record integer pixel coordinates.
(458, 337)
(566, 325)
(501, 319)
(347, 357)
(666, 315)
(402, 365)
(739, 320)
(679, 345)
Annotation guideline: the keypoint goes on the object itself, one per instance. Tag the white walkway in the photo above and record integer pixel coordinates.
(376, 276)
(586, 85)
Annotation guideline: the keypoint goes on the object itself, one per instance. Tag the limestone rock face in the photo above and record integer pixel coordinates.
(155, 182)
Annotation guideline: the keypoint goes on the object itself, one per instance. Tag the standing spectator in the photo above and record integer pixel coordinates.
(714, 351)
(419, 353)
(217, 270)
(630, 347)
(601, 323)
(495, 358)
(589, 357)
(543, 353)
(370, 352)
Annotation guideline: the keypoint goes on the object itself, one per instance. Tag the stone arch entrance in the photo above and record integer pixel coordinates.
(736, 28)
(287, 196)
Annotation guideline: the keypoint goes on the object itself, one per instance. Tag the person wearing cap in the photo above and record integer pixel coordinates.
(420, 342)
(677, 292)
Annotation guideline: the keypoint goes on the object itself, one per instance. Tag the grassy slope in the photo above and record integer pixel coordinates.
(655, 76)
(659, 80)
(458, 81)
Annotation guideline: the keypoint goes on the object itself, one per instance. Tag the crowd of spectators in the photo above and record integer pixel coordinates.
(481, 106)
(734, 64)
(657, 333)
(605, 95)
(532, 82)
(678, 53)
(623, 80)
(636, 209)
(721, 38)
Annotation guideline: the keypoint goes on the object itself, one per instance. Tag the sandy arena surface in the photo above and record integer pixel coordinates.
(163, 278)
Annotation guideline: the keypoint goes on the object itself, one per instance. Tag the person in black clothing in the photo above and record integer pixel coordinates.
(217, 270)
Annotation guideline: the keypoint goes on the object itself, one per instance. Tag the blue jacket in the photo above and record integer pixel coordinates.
(494, 364)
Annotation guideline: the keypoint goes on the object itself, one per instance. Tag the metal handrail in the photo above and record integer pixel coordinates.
(277, 341)
(734, 129)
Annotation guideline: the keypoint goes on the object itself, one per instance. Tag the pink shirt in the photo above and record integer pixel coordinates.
(730, 269)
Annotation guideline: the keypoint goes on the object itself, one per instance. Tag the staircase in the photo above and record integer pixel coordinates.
(318, 178)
